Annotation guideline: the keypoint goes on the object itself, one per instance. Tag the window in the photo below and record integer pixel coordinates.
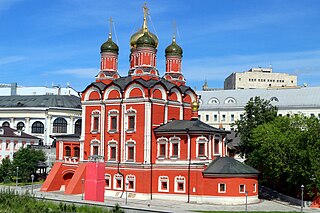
(107, 178)
(254, 187)
(130, 182)
(117, 182)
(179, 184)
(37, 127)
(216, 146)
(7, 144)
(76, 152)
(95, 150)
(163, 184)
(207, 117)
(95, 121)
(131, 150)
(162, 147)
(67, 151)
(222, 188)
(6, 123)
(242, 188)
(223, 118)
(241, 116)
(77, 127)
(113, 120)
(162, 150)
(174, 147)
(131, 123)
(232, 117)
(59, 125)
(215, 117)
(131, 119)
(201, 149)
(20, 126)
(16, 145)
(112, 149)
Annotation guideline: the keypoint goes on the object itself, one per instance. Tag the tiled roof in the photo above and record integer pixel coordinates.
(10, 133)
(224, 166)
(65, 101)
(187, 125)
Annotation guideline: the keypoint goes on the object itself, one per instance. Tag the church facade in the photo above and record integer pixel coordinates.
(144, 128)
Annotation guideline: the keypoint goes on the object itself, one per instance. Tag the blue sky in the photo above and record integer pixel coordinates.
(58, 41)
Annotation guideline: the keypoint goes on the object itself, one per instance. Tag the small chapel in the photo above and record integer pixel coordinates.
(141, 135)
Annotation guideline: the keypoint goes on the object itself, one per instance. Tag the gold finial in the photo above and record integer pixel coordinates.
(110, 27)
(145, 14)
(194, 106)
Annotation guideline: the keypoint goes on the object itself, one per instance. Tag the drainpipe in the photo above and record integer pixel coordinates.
(189, 164)
(119, 150)
(151, 130)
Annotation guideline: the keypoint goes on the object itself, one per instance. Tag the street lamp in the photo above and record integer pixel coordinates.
(32, 178)
(17, 177)
(302, 189)
(127, 192)
(246, 201)
(82, 190)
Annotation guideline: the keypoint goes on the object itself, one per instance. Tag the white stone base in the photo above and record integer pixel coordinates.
(221, 200)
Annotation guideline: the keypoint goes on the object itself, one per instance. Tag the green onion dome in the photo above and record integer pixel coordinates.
(109, 46)
(146, 41)
(173, 49)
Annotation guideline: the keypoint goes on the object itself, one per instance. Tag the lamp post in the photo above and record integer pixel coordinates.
(32, 178)
(302, 189)
(82, 189)
(127, 192)
(17, 177)
(246, 201)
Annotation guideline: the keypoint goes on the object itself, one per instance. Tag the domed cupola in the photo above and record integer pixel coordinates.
(134, 38)
(146, 41)
(174, 49)
(109, 46)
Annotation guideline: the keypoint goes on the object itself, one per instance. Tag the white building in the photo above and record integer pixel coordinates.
(42, 116)
(221, 108)
(259, 78)
(12, 140)
(14, 89)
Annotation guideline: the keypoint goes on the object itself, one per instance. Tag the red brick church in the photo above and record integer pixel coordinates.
(143, 130)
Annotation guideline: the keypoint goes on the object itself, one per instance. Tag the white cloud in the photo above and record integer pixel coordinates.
(11, 59)
(77, 72)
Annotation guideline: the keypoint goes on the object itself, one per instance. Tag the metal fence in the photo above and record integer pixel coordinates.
(269, 194)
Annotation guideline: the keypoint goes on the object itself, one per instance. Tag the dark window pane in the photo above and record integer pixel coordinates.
(131, 153)
(20, 126)
(77, 127)
(113, 123)
(175, 149)
(95, 150)
(37, 127)
(68, 151)
(60, 125)
(76, 152)
(113, 153)
(131, 122)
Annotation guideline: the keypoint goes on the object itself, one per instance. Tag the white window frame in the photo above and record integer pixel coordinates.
(131, 177)
(225, 188)
(160, 181)
(174, 140)
(179, 179)
(131, 143)
(244, 188)
(93, 143)
(254, 187)
(112, 143)
(115, 178)
(113, 113)
(202, 140)
(219, 138)
(108, 177)
(131, 112)
(162, 140)
(95, 114)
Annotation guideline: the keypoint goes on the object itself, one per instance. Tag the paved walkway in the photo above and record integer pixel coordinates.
(135, 205)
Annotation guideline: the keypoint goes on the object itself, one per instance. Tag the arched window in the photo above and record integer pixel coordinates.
(6, 123)
(60, 125)
(37, 127)
(20, 126)
(68, 151)
(76, 151)
(77, 127)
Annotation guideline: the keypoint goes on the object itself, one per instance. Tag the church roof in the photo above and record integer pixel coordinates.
(184, 126)
(123, 82)
(25, 101)
(225, 166)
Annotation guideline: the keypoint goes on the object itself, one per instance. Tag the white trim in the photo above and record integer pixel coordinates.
(112, 143)
(130, 143)
(131, 177)
(177, 180)
(225, 188)
(162, 179)
(162, 140)
(174, 140)
(109, 90)
(134, 86)
(89, 91)
(115, 178)
(108, 176)
(244, 188)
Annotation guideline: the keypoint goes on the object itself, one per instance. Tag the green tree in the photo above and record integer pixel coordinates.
(6, 170)
(27, 159)
(257, 111)
(287, 152)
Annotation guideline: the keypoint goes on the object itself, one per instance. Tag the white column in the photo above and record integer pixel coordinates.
(60, 150)
(210, 144)
(12, 123)
(147, 133)
(102, 130)
(27, 126)
(48, 130)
